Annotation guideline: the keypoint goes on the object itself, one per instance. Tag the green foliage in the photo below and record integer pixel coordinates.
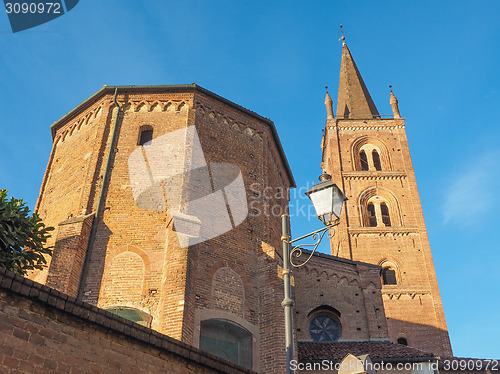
(22, 238)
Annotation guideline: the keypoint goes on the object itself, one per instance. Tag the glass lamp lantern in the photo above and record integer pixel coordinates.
(327, 199)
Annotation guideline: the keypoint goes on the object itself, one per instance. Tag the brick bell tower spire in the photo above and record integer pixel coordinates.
(354, 100)
(382, 221)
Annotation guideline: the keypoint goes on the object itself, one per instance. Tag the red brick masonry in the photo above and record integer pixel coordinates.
(45, 331)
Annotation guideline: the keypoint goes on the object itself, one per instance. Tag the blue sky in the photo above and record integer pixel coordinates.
(275, 58)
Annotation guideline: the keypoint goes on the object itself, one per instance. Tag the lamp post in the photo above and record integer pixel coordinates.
(327, 199)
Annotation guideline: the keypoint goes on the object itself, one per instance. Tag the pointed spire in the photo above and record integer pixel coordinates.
(394, 105)
(329, 105)
(354, 100)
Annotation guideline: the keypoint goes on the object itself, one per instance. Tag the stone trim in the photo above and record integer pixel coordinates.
(383, 231)
(373, 175)
(348, 127)
(75, 219)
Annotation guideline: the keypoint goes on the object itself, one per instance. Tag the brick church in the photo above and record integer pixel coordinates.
(149, 190)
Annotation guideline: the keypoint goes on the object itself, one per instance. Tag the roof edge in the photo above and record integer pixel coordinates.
(340, 259)
(193, 86)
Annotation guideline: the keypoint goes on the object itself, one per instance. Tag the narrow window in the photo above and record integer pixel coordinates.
(376, 160)
(389, 276)
(372, 218)
(385, 214)
(364, 160)
(146, 137)
(402, 341)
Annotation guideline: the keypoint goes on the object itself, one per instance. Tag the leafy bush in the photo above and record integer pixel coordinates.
(22, 237)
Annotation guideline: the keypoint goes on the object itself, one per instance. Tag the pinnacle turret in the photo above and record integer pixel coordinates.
(394, 105)
(329, 105)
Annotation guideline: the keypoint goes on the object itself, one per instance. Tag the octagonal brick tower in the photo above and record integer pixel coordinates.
(383, 224)
(157, 193)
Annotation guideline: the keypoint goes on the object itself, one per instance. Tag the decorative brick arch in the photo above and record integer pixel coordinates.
(376, 144)
(228, 292)
(124, 280)
(112, 253)
(384, 195)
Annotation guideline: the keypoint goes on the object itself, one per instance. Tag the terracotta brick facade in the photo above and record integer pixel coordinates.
(68, 259)
(135, 258)
(45, 331)
(121, 245)
(352, 288)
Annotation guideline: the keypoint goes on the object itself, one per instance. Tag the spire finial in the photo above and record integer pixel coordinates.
(342, 32)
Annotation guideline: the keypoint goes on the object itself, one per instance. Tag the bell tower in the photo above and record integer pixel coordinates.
(368, 156)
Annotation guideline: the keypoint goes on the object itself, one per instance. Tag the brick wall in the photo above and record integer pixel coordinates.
(353, 289)
(45, 331)
(136, 259)
(69, 254)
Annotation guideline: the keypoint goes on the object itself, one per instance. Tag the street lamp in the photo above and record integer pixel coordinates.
(327, 199)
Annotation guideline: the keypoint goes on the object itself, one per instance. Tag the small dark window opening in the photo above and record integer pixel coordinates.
(146, 137)
(376, 160)
(402, 341)
(385, 214)
(389, 276)
(372, 218)
(364, 160)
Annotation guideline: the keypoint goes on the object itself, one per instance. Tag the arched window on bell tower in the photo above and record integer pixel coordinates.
(370, 154)
(386, 219)
(389, 276)
(364, 161)
(376, 160)
(369, 158)
(379, 207)
(379, 210)
(372, 216)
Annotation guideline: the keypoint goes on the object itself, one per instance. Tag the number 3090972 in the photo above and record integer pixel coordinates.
(33, 8)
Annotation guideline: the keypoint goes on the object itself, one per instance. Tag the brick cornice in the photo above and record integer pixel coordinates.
(395, 292)
(383, 231)
(373, 175)
(369, 124)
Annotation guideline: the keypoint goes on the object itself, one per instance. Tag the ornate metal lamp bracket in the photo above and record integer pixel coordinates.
(316, 236)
